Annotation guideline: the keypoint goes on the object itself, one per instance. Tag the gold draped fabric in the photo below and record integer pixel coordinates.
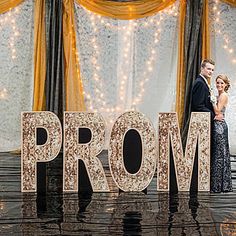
(125, 10)
(73, 83)
(180, 83)
(39, 55)
(206, 53)
(6, 5)
(231, 2)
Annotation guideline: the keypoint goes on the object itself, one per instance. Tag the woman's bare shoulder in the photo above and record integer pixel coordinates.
(224, 98)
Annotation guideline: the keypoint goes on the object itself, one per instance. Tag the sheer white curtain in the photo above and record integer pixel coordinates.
(16, 72)
(128, 64)
(223, 46)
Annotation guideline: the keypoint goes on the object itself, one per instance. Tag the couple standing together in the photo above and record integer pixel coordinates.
(203, 100)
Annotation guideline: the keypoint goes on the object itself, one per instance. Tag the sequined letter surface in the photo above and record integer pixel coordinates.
(199, 132)
(140, 180)
(87, 151)
(32, 153)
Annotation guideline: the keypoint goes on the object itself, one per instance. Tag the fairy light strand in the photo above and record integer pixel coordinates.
(8, 20)
(100, 96)
(226, 45)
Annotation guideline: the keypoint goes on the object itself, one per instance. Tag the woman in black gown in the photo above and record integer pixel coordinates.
(220, 162)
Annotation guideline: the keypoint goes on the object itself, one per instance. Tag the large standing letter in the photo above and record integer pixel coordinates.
(199, 130)
(87, 152)
(140, 180)
(32, 153)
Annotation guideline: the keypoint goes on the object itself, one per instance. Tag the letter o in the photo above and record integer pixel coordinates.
(125, 180)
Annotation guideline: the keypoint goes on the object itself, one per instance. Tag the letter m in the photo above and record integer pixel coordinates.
(169, 137)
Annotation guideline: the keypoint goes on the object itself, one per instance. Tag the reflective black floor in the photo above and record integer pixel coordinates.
(54, 213)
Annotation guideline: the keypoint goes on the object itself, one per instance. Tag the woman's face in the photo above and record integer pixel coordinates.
(220, 85)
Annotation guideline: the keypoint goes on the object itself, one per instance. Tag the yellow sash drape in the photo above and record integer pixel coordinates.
(206, 49)
(6, 5)
(125, 10)
(73, 83)
(39, 55)
(180, 82)
(231, 2)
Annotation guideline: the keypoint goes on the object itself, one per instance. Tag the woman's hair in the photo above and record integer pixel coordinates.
(226, 80)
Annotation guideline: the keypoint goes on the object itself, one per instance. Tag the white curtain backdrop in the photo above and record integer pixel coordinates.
(16, 72)
(223, 46)
(128, 64)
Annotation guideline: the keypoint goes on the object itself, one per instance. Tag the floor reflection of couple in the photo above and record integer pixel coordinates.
(135, 214)
(203, 100)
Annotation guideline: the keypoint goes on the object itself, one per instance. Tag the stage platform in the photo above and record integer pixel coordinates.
(114, 213)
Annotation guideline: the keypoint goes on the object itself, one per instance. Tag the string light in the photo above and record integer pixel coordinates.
(154, 22)
(100, 97)
(9, 20)
(227, 42)
(3, 93)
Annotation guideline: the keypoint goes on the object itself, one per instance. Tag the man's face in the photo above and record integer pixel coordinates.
(208, 70)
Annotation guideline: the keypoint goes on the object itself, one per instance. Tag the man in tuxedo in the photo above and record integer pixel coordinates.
(201, 90)
(201, 102)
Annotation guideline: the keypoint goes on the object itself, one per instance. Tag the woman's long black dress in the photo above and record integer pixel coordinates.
(220, 161)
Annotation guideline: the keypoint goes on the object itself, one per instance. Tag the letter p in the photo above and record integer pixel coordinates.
(31, 153)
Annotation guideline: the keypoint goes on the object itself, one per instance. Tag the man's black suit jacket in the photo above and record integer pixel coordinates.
(201, 97)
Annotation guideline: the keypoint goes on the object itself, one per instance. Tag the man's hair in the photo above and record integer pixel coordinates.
(205, 61)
